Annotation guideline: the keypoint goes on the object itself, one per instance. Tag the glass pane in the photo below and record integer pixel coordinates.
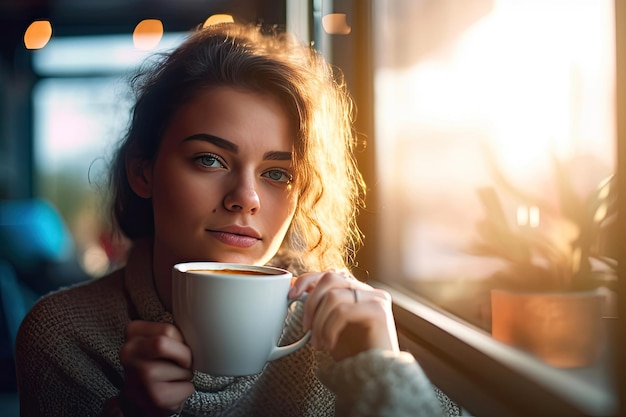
(496, 137)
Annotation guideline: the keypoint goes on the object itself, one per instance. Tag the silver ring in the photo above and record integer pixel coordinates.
(356, 295)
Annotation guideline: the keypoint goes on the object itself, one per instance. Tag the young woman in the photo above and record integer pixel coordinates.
(239, 150)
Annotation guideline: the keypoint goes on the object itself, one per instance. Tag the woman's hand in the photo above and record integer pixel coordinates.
(157, 370)
(345, 316)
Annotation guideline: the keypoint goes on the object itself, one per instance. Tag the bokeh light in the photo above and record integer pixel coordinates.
(147, 34)
(37, 34)
(218, 18)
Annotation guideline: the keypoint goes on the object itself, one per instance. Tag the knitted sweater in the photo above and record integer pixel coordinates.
(67, 357)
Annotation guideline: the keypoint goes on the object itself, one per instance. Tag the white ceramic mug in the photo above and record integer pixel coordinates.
(232, 315)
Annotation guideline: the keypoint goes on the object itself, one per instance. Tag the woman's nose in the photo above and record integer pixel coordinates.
(243, 196)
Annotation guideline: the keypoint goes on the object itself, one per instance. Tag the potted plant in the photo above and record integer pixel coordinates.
(556, 256)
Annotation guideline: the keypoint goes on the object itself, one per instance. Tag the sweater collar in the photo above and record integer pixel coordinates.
(139, 283)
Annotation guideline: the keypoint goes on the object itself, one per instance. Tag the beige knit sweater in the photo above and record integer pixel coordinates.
(67, 356)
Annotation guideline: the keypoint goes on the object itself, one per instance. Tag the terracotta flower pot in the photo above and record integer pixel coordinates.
(563, 329)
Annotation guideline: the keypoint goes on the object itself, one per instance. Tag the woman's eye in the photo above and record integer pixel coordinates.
(278, 175)
(210, 161)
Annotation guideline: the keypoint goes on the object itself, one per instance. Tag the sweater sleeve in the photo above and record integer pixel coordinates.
(380, 383)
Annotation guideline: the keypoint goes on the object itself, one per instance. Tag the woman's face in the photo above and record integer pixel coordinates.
(221, 182)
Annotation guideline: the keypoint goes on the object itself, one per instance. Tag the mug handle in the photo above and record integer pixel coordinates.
(280, 351)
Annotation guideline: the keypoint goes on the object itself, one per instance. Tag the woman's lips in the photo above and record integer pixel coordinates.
(234, 239)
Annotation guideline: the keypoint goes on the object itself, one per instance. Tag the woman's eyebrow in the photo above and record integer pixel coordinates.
(215, 140)
(229, 146)
(277, 156)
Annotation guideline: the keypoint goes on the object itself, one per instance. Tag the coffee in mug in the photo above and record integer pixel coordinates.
(232, 315)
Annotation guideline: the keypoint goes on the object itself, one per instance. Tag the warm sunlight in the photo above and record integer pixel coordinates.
(514, 81)
(527, 89)
(533, 74)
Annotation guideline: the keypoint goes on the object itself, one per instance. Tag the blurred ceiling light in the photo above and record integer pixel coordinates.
(147, 34)
(336, 24)
(218, 18)
(37, 34)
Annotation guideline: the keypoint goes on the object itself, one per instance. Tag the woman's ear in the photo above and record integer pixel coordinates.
(139, 173)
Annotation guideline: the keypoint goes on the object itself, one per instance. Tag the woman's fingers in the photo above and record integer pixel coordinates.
(333, 302)
(157, 366)
(345, 315)
(304, 283)
(149, 328)
(152, 341)
(368, 310)
(358, 326)
(156, 369)
(319, 285)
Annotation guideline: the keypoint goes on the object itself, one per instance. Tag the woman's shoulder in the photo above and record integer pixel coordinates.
(68, 344)
(92, 295)
(68, 311)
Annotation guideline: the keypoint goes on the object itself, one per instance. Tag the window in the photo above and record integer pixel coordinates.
(466, 102)
(466, 93)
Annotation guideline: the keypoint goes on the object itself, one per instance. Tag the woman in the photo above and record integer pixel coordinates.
(239, 150)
